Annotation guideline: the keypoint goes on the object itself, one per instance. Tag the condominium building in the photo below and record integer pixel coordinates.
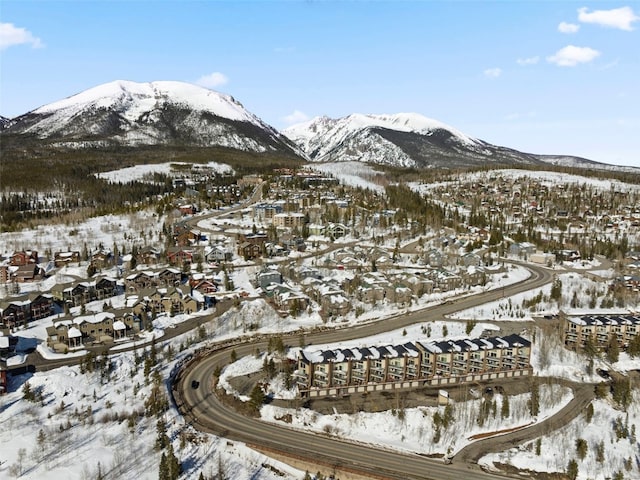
(600, 328)
(412, 364)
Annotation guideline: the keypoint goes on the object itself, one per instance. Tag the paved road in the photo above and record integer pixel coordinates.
(204, 410)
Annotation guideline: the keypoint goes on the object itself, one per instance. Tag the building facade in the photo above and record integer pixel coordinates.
(600, 329)
(410, 365)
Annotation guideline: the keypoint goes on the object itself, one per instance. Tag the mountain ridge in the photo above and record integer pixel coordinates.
(129, 114)
(169, 113)
(408, 140)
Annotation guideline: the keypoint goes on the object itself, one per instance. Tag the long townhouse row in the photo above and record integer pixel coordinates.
(412, 364)
(600, 329)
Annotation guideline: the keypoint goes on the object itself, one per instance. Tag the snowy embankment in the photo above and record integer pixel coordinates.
(610, 439)
(586, 298)
(416, 429)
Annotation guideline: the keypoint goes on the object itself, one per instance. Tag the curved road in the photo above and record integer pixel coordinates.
(205, 411)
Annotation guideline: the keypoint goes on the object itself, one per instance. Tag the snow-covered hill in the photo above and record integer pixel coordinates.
(129, 113)
(408, 140)
(403, 139)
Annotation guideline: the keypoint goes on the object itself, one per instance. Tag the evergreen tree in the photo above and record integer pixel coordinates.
(504, 410)
(634, 346)
(174, 466)
(534, 401)
(600, 452)
(581, 448)
(572, 469)
(41, 438)
(556, 289)
(27, 393)
(256, 399)
(588, 414)
(163, 471)
(161, 438)
(613, 349)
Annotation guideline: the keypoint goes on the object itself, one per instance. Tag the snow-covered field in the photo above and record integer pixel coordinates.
(353, 174)
(139, 228)
(544, 177)
(141, 172)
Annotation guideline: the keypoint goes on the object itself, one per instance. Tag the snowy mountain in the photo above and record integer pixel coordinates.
(156, 113)
(405, 140)
(5, 123)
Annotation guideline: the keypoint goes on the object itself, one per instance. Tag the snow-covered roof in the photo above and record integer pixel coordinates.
(74, 333)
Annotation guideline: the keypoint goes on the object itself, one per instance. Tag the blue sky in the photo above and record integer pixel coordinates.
(559, 77)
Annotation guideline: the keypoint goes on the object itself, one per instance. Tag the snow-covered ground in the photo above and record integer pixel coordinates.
(414, 430)
(141, 172)
(139, 228)
(523, 306)
(353, 174)
(87, 423)
(546, 178)
(619, 451)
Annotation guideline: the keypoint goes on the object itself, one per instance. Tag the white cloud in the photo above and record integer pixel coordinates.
(528, 61)
(620, 18)
(565, 27)
(493, 72)
(11, 35)
(570, 56)
(296, 117)
(212, 80)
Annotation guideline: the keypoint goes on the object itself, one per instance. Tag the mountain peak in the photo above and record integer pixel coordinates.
(153, 113)
(121, 94)
(370, 137)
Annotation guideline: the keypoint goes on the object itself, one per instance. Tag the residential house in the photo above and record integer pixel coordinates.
(105, 287)
(336, 230)
(41, 306)
(249, 251)
(435, 258)
(102, 259)
(15, 313)
(29, 272)
(266, 211)
(268, 276)
(523, 249)
(62, 259)
(473, 276)
(289, 220)
(74, 332)
(23, 257)
(180, 256)
(217, 254)
(148, 256)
